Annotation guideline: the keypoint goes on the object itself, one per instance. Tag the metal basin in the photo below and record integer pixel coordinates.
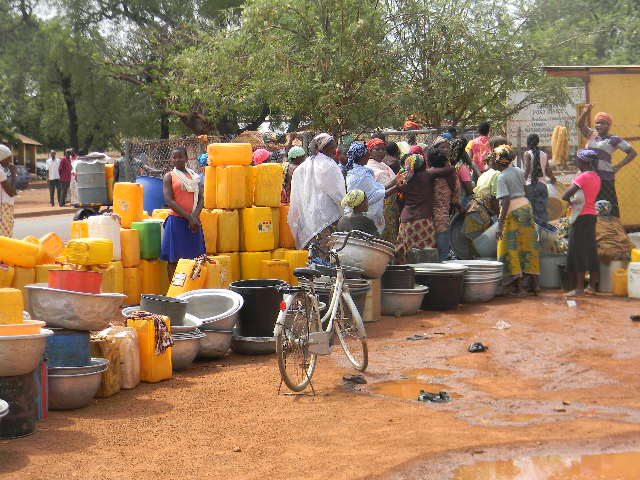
(253, 345)
(94, 365)
(4, 408)
(402, 302)
(185, 349)
(73, 310)
(215, 343)
(372, 256)
(21, 354)
(215, 308)
(478, 292)
(190, 323)
(67, 392)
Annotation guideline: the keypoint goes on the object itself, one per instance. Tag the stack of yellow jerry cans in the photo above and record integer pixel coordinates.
(245, 228)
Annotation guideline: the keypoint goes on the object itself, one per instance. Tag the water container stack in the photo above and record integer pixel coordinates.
(245, 226)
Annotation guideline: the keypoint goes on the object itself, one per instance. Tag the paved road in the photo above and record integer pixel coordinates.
(38, 226)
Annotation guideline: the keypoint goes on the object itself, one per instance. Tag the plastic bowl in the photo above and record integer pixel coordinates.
(29, 327)
(21, 354)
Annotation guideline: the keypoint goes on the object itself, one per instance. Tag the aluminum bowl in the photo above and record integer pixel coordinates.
(67, 392)
(21, 354)
(190, 323)
(95, 365)
(185, 349)
(215, 307)
(402, 302)
(215, 343)
(73, 310)
(478, 292)
(4, 409)
(253, 345)
(371, 256)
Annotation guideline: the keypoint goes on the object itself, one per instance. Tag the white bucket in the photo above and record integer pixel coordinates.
(607, 271)
(635, 238)
(108, 227)
(634, 280)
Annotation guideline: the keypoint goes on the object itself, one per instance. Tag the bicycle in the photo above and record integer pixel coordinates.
(300, 337)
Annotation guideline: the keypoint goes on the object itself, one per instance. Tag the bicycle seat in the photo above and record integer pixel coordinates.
(308, 273)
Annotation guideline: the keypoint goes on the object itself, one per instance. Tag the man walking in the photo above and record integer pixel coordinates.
(53, 169)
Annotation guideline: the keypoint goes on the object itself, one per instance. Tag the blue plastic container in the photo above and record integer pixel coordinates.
(153, 193)
(68, 348)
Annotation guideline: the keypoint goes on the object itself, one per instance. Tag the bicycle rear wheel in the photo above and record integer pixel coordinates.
(295, 324)
(351, 333)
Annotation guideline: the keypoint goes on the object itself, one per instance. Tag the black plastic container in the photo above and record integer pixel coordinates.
(20, 393)
(445, 290)
(261, 306)
(398, 277)
(173, 308)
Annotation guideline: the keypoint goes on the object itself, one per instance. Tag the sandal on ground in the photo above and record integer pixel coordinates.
(520, 294)
(590, 291)
(573, 294)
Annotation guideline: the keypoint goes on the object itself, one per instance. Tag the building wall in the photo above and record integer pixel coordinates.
(619, 95)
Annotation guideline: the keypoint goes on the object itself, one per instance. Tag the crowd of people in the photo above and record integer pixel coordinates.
(59, 176)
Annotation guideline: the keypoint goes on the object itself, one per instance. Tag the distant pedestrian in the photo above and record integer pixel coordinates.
(53, 169)
(479, 148)
(537, 172)
(65, 175)
(7, 192)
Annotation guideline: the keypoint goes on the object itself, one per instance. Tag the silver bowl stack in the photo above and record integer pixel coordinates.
(481, 280)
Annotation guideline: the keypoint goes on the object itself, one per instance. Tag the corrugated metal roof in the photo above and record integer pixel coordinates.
(26, 140)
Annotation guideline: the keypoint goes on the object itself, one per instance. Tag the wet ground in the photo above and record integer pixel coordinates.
(554, 390)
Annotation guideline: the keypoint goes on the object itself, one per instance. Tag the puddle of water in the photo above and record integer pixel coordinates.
(429, 372)
(519, 417)
(606, 466)
(409, 388)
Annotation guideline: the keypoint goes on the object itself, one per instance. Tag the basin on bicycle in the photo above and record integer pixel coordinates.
(359, 250)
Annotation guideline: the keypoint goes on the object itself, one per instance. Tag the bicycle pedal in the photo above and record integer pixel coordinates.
(319, 343)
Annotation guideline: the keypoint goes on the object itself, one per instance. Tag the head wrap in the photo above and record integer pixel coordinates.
(260, 156)
(413, 163)
(411, 125)
(503, 155)
(353, 198)
(417, 149)
(604, 116)
(357, 151)
(603, 207)
(439, 140)
(404, 147)
(374, 142)
(458, 145)
(296, 152)
(203, 159)
(446, 135)
(320, 141)
(5, 152)
(587, 155)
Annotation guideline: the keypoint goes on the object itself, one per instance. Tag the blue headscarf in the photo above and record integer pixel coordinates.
(357, 151)
(203, 160)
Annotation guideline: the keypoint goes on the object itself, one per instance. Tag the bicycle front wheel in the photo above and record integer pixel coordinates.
(296, 323)
(351, 333)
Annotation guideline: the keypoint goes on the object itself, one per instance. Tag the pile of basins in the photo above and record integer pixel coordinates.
(445, 282)
(400, 294)
(482, 279)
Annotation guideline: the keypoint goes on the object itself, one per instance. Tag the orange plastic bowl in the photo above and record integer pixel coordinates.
(29, 327)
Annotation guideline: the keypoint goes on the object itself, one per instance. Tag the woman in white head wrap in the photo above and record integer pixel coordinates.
(317, 188)
(7, 191)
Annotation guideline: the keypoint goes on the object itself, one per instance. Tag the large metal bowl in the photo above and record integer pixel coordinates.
(185, 349)
(73, 310)
(67, 392)
(253, 345)
(190, 323)
(371, 256)
(478, 292)
(215, 343)
(402, 302)
(21, 354)
(4, 409)
(216, 308)
(94, 365)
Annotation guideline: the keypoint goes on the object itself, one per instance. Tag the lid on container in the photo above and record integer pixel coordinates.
(418, 289)
(439, 268)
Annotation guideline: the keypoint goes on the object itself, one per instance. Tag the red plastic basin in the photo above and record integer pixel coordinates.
(75, 280)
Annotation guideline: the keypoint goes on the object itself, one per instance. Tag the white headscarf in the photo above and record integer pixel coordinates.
(5, 152)
(320, 141)
(190, 184)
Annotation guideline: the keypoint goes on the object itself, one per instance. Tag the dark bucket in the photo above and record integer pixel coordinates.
(399, 277)
(261, 306)
(20, 393)
(445, 291)
(173, 308)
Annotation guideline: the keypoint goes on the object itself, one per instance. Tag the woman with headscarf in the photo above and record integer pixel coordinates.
(464, 169)
(605, 145)
(416, 220)
(295, 157)
(536, 172)
(261, 155)
(518, 247)
(317, 190)
(386, 176)
(356, 201)
(8, 191)
(582, 255)
(361, 177)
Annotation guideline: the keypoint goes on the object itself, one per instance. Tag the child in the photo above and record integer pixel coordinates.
(582, 256)
(356, 220)
(445, 195)
(183, 237)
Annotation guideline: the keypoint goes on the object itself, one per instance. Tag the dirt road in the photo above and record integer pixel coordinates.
(559, 379)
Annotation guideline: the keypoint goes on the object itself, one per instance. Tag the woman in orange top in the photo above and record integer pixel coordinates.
(183, 237)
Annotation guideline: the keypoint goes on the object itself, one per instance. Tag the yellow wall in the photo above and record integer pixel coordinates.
(619, 95)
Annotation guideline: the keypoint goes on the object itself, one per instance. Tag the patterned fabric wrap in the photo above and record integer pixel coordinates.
(296, 152)
(413, 163)
(374, 142)
(477, 219)
(503, 155)
(163, 338)
(518, 249)
(418, 234)
(261, 155)
(353, 198)
(391, 219)
(6, 219)
(357, 151)
(603, 116)
(603, 207)
(442, 196)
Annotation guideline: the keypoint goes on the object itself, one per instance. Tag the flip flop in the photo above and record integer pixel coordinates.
(477, 347)
(442, 397)
(590, 291)
(573, 294)
(518, 294)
